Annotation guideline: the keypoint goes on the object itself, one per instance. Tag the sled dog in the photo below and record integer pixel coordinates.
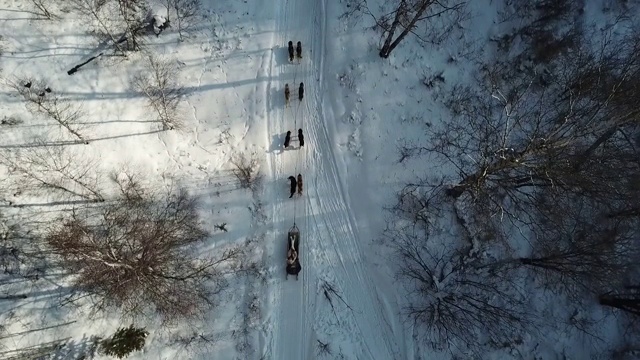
(293, 186)
(290, 51)
(287, 94)
(299, 50)
(287, 139)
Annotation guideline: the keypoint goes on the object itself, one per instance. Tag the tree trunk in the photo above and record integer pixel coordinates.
(384, 52)
(389, 43)
(601, 140)
(630, 304)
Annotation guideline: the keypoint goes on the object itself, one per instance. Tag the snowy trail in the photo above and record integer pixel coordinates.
(333, 235)
(287, 326)
(330, 247)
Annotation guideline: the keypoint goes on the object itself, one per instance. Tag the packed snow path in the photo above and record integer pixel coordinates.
(301, 312)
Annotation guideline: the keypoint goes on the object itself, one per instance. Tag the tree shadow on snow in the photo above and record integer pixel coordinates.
(276, 98)
(82, 349)
(76, 142)
(281, 54)
(277, 141)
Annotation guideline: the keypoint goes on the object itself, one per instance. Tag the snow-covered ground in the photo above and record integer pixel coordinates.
(357, 109)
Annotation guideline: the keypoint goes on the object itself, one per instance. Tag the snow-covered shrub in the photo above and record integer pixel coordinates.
(246, 168)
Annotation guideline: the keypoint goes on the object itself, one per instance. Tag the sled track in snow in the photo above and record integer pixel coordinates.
(289, 339)
(329, 244)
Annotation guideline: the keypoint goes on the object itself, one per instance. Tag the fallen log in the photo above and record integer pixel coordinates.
(75, 68)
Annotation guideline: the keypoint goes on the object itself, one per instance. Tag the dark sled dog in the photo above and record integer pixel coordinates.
(290, 51)
(300, 184)
(300, 137)
(287, 139)
(293, 186)
(301, 91)
(299, 50)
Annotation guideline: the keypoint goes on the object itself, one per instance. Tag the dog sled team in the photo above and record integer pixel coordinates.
(295, 183)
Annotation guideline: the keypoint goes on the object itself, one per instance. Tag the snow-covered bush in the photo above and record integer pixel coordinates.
(246, 168)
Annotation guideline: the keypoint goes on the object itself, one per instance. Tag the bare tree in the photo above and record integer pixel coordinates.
(568, 135)
(136, 253)
(246, 169)
(159, 85)
(186, 14)
(451, 299)
(452, 296)
(580, 252)
(550, 160)
(41, 99)
(405, 17)
(134, 17)
(53, 170)
(41, 8)
(100, 11)
(544, 29)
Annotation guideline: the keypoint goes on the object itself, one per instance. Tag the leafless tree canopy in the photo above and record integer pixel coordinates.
(58, 171)
(404, 16)
(135, 253)
(184, 13)
(121, 22)
(454, 298)
(41, 99)
(544, 151)
(581, 253)
(159, 85)
(246, 170)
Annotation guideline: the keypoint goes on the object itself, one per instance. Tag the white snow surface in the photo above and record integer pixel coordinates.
(234, 69)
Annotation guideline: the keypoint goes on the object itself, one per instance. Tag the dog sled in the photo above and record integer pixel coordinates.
(293, 246)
